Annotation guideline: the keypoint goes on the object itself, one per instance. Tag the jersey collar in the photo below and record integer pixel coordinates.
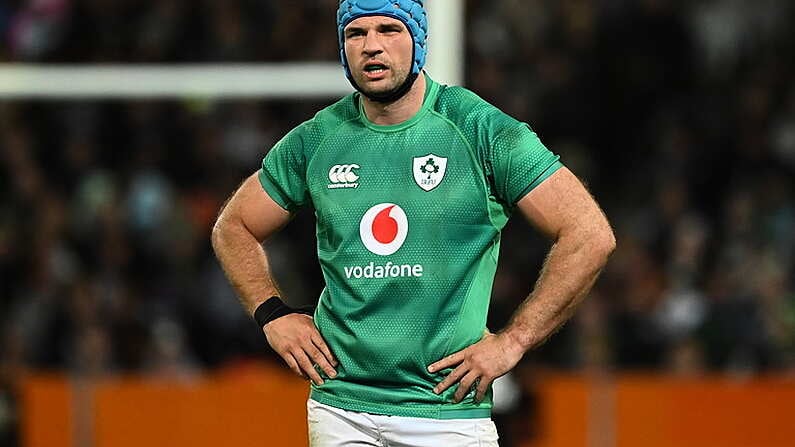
(431, 92)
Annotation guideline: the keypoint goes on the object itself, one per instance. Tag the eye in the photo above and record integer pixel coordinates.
(391, 30)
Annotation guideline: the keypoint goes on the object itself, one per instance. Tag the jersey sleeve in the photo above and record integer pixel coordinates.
(283, 172)
(520, 162)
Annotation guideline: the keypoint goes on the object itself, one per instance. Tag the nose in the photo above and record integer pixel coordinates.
(372, 44)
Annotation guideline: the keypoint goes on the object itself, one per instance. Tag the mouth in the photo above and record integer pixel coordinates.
(375, 70)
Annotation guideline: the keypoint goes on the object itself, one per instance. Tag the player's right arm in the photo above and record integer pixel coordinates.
(248, 218)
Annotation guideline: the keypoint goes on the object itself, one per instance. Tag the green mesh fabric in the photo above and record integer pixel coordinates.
(390, 309)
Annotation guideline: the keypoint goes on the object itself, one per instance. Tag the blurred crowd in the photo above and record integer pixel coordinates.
(679, 116)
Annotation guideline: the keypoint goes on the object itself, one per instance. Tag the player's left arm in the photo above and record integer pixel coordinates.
(561, 208)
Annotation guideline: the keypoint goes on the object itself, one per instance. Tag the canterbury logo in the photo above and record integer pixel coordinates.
(343, 176)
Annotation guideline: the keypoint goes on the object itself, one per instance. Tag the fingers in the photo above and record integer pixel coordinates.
(297, 340)
(465, 386)
(308, 368)
(466, 379)
(320, 360)
(293, 364)
(475, 370)
(482, 388)
(452, 378)
(447, 362)
(317, 339)
(459, 375)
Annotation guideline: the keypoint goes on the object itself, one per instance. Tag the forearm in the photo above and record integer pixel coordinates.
(245, 263)
(569, 272)
(561, 208)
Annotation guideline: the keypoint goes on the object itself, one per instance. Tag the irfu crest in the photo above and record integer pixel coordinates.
(429, 171)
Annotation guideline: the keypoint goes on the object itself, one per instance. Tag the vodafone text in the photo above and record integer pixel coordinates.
(387, 270)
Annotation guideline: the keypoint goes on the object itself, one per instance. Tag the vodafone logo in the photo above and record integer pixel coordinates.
(384, 228)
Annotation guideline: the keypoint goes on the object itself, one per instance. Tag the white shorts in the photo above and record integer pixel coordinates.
(334, 427)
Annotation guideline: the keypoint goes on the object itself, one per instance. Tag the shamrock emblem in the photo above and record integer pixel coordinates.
(429, 167)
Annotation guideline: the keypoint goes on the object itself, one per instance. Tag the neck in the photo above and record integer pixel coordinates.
(387, 114)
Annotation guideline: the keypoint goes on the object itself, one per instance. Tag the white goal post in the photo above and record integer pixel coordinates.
(287, 80)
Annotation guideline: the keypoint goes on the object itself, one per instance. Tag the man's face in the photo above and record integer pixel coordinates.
(379, 51)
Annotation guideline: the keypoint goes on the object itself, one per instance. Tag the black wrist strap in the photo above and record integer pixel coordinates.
(274, 308)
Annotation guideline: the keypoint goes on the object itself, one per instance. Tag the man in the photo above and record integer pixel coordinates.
(411, 182)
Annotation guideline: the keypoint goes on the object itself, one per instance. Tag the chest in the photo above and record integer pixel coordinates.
(429, 169)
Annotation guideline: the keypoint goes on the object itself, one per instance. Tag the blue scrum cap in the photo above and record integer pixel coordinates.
(410, 12)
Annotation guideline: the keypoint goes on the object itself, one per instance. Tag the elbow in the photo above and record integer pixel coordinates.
(604, 244)
(597, 245)
(220, 227)
(216, 235)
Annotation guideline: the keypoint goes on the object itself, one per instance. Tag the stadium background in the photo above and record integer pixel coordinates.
(679, 115)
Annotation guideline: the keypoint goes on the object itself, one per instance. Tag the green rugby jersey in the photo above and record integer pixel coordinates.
(408, 234)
